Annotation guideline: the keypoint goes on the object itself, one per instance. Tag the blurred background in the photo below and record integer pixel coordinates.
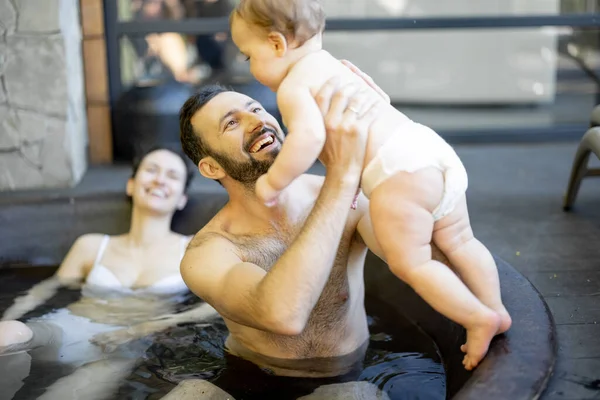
(91, 82)
(473, 70)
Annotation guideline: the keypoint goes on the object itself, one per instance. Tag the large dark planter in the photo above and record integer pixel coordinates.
(148, 115)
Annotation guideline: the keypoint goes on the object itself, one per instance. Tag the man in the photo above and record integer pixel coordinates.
(287, 279)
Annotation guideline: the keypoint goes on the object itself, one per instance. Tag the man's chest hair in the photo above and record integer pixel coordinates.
(263, 251)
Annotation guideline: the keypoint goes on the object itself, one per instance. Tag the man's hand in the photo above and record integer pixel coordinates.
(348, 114)
(367, 79)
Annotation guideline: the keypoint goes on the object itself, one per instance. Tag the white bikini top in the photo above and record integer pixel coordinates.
(100, 276)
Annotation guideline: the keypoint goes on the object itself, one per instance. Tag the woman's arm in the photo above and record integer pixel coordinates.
(72, 271)
(109, 341)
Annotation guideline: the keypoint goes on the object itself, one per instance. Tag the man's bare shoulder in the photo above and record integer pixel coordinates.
(205, 238)
(210, 234)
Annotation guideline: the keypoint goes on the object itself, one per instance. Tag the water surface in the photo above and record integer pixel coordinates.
(400, 360)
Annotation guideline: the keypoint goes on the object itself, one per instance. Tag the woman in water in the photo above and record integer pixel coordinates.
(131, 286)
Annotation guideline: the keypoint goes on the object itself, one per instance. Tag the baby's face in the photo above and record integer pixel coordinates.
(267, 64)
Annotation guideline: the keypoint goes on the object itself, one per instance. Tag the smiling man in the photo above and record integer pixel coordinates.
(288, 280)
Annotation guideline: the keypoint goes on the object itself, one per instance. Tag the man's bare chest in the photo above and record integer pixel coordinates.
(262, 251)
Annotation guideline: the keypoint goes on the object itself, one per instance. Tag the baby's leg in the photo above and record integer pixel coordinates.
(401, 210)
(471, 259)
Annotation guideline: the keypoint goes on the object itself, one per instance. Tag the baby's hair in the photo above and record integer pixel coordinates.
(297, 20)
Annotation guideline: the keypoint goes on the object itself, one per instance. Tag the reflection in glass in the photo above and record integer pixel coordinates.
(475, 80)
(452, 80)
(177, 9)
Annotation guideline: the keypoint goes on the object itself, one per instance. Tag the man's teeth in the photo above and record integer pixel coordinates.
(261, 143)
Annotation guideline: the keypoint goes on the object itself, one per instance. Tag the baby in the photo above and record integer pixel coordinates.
(415, 181)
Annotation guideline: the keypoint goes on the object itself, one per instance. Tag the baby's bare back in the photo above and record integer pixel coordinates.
(315, 69)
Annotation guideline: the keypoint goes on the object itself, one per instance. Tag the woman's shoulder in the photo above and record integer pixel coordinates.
(90, 241)
(80, 258)
(88, 245)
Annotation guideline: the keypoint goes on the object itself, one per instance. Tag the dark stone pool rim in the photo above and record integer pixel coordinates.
(39, 229)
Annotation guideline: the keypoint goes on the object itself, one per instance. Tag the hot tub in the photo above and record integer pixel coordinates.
(38, 229)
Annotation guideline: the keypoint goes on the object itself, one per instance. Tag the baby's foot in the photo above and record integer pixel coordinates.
(505, 321)
(13, 336)
(479, 336)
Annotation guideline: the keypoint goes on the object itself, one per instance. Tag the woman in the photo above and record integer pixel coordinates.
(131, 285)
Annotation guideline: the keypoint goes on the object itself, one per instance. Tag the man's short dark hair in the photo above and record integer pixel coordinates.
(191, 141)
(190, 170)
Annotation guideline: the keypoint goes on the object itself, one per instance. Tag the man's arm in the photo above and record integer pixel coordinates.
(303, 143)
(281, 300)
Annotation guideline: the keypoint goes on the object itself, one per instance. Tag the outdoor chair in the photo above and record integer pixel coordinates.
(590, 143)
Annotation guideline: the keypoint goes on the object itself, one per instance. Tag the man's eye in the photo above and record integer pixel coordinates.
(230, 123)
(256, 109)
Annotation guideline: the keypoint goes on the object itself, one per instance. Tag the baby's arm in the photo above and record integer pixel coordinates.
(303, 143)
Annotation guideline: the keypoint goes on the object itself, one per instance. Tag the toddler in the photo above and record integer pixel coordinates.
(414, 180)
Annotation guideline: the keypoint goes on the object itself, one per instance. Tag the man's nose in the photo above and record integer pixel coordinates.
(256, 122)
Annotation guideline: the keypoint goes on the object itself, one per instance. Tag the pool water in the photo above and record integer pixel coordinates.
(400, 359)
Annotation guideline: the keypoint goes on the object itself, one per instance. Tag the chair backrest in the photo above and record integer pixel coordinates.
(595, 118)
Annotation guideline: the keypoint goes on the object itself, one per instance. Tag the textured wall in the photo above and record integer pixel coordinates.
(43, 128)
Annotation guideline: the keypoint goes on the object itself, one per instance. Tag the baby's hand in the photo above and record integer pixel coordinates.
(265, 192)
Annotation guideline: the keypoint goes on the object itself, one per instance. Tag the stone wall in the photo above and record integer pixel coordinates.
(43, 132)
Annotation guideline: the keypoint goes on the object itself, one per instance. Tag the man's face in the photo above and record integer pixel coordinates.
(243, 138)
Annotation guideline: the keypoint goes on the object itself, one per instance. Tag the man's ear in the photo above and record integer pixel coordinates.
(278, 42)
(210, 169)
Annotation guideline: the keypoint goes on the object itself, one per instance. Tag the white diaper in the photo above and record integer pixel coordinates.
(412, 148)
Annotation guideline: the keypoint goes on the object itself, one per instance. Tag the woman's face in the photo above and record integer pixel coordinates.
(159, 183)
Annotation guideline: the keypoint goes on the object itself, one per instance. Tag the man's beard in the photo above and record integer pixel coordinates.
(247, 172)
